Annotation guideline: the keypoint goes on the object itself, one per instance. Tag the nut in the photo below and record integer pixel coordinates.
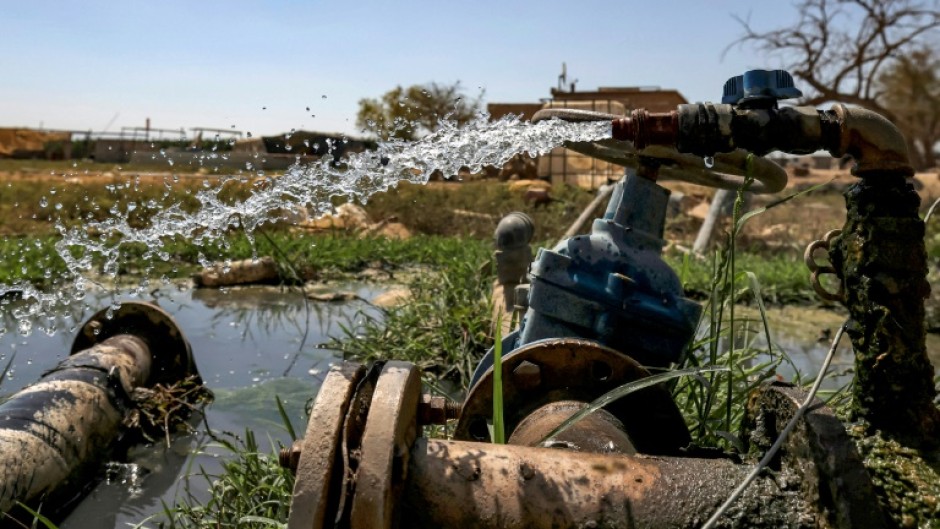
(436, 409)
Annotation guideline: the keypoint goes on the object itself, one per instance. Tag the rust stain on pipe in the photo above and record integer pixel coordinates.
(474, 485)
(875, 143)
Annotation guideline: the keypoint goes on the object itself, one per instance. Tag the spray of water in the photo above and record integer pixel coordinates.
(474, 145)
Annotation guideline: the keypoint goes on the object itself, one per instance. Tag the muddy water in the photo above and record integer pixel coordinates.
(806, 334)
(249, 346)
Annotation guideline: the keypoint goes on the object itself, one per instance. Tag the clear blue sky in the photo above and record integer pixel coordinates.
(75, 65)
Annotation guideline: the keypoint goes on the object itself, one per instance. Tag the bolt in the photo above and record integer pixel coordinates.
(437, 409)
(452, 409)
(289, 456)
(527, 375)
(92, 329)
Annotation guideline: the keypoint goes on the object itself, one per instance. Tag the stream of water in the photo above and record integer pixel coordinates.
(314, 187)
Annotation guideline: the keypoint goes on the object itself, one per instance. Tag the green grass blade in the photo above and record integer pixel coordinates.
(285, 419)
(626, 389)
(499, 427)
(260, 520)
(38, 517)
(755, 290)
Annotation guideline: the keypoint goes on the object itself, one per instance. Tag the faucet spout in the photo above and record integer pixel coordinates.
(876, 144)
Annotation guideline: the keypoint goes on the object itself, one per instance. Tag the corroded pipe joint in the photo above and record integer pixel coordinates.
(644, 128)
(514, 487)
(705, 129)
(876, 144)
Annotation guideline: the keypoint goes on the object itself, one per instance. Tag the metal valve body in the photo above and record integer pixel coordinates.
(612, 286)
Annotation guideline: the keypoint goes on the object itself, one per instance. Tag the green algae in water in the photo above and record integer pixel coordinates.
(907, 486)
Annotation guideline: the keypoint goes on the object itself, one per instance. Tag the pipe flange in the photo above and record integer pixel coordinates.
(317, 479)
(558, 369)
(390, 430)
(171, 352)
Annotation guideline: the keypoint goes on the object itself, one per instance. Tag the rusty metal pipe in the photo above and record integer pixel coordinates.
(52, 430)
(55, 433)
(706, 129)
(475, 485)
(874, 142)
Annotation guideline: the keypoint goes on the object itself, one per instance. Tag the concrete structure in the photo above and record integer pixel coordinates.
(565, 166)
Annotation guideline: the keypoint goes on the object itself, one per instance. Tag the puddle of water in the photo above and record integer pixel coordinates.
(806, 334)
(244, 341)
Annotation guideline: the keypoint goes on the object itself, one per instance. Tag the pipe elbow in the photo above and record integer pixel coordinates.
(876, 144)
(514, 230)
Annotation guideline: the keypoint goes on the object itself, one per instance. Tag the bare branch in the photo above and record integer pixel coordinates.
(841, 50)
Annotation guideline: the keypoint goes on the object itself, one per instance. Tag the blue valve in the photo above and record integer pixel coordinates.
(759, 88)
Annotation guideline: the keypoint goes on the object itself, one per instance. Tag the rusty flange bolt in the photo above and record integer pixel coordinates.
(527, 375)
(289, 456)
(436, 409)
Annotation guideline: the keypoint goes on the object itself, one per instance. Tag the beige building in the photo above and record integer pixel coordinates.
(565, 166)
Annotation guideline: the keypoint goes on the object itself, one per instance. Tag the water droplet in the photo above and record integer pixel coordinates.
(709, 161)
(43, 202)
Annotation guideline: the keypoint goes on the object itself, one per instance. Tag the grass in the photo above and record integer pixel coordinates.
(445, 327)
(251, 491)
(499, 426)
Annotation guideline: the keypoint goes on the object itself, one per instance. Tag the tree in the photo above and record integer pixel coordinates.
(409, 113)
(841, 48)
(911, 88)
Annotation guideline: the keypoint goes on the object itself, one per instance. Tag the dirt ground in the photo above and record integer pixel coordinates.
(793, 224)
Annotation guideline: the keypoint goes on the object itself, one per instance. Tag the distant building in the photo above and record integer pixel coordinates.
(563, 165)
(31, 143)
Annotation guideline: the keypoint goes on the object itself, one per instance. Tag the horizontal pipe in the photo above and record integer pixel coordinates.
(876, 144)
(57, 429)
(476, 485)
(705, 129)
